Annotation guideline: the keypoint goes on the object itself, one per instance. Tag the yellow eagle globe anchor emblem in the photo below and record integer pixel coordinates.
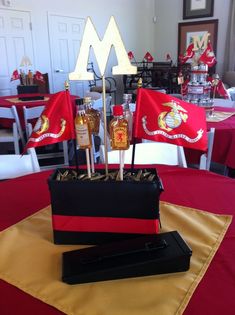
(173, 119)
(42, 125)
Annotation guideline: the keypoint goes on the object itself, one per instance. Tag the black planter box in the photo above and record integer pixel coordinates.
(27, 89)
(142, 256)
(95, 212)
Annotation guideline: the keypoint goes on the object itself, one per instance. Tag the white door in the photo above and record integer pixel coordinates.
(65, 39)
(15, 42)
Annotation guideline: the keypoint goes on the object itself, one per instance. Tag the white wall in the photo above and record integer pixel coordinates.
(170, 12)
(135, 20)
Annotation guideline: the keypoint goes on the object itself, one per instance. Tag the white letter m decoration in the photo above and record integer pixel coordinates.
(101, 50)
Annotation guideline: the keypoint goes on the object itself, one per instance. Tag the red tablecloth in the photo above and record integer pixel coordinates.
(224, 142)
(6, 123)
(199, 189)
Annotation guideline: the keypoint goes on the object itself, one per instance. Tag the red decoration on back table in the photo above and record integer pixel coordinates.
(148, 57)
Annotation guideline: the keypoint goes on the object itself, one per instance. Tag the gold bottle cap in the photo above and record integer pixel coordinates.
(140, 83)
(66, 85)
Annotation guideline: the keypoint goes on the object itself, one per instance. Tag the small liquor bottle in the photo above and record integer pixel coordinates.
(93, 115)
(82, 128)
(30, 77)
(119, 130)
(79, 101)
(127, 113)
(22, 77)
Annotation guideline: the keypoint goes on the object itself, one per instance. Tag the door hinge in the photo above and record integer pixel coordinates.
(30, 26)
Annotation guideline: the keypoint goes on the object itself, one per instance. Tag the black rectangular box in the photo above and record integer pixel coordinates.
(27, 89)
(142, 256)
(31, 98)
(95, 212)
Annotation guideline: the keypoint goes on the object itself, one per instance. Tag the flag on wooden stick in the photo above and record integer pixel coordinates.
(163, 118)
(56, 122)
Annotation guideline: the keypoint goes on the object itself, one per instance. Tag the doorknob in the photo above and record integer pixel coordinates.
(59, 70)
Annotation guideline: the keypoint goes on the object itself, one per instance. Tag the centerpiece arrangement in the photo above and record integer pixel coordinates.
(102, 205)
(27, 77)
(200, 89)
(93, 206)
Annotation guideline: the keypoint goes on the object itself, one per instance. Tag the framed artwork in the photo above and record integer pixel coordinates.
(193, 9)
(186, 31)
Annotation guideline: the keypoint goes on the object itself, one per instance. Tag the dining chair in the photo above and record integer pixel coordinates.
(98, 104)
(149, 153)
(15, 165)
(93, 95)
(14, 134)
(31, 113)
(205, 159)
(110, 83)
(231, 93)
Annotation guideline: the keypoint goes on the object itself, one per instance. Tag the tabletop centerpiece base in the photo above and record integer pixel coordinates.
(103, 209)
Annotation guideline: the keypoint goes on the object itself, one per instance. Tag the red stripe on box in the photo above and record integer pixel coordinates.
(104, 224)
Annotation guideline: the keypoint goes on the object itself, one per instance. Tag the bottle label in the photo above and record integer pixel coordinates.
(91, 120)
(120, 138)
(128, 117)
(82, 134)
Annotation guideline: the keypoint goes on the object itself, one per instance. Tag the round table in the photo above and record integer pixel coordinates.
(224, 142)
(215, 294)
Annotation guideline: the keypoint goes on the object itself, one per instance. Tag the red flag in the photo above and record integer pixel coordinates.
(188, 55)
(184, 87)
(130, 55)
(15, 75)
(208, 56)
(218, 87)
(56, 122)
(38, 76)
(148, 57)
(221, 90)
(163, 118)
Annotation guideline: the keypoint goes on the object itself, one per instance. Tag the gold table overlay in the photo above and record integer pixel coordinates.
(31, 262)
(219, 116)
(17, 100)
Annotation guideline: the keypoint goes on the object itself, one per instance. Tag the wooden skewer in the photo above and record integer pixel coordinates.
(121, 163)
(88, 163)
(92, 160)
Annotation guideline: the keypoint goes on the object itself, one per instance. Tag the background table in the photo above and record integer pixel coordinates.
(4, 102)
(224, 142)
(192, 188)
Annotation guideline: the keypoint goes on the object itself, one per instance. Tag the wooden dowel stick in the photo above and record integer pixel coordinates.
(92, 160)
(88, 163)
(105, 126)
(120, 165)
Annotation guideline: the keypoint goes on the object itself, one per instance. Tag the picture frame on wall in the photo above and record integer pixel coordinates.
(189, 29)
(193, 9)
